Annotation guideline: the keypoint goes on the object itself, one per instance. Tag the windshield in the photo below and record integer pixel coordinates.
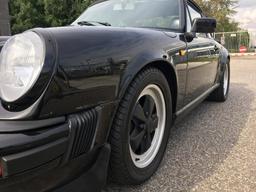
(134, 13)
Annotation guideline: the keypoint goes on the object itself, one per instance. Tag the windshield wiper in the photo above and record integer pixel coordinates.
(90, 23)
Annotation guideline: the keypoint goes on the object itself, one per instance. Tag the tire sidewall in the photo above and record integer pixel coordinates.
(226, 67)
(142, 174)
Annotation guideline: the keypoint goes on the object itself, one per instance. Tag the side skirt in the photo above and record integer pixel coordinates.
(188, 108)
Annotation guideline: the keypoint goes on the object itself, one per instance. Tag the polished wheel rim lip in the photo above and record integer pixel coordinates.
(226, 77)
(145, 159)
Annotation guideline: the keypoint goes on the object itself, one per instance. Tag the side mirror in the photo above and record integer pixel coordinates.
(204, 25)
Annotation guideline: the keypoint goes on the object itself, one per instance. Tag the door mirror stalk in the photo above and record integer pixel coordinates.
(189, 36)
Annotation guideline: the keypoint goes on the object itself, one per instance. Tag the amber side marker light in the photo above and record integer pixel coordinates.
(182, 52)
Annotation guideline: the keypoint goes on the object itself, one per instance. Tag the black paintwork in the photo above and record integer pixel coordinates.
(90, 66)
(95, 69)
(53, 151)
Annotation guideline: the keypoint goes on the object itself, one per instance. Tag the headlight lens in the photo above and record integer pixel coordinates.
(21, 61)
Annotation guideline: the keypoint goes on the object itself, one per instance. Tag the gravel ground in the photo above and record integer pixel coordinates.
(213, 148)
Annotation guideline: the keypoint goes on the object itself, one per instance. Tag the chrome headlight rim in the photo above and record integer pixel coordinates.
(21, 62)
(40, 86)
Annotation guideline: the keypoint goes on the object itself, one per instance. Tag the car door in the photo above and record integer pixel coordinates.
(202, 64)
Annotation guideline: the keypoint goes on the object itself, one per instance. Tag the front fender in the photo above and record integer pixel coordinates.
(96, 64)
(224, 59)
(141, 61)
(224, 56)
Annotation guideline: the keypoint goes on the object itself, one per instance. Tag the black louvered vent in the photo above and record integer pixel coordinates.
(84, 126)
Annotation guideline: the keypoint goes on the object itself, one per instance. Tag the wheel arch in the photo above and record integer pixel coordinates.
(171, 77)
(169, 72)
(118, 133)
(223, 59)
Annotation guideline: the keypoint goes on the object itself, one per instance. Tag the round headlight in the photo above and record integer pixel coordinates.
(21, 61)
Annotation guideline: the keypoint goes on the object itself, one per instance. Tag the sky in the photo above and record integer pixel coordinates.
(246, 15)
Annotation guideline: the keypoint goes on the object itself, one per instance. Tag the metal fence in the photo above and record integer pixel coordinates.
(236, 42)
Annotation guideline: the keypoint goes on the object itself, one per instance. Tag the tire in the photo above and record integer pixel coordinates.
(128, 166)
(222, 92)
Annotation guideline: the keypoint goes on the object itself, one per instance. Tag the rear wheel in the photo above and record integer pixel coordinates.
(221, 93)
(141, 128)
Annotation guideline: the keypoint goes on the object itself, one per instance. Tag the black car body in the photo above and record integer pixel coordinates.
(59, 129)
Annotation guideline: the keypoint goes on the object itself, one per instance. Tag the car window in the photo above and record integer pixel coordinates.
(135, 13)
(189, 25)
(193, 13)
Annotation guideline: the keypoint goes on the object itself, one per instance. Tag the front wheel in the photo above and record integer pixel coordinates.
(221, 93)
(141, 128)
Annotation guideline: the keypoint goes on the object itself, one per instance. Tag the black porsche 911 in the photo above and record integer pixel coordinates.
(98, 98)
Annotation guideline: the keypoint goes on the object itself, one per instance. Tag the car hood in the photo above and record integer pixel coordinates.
(82, 47)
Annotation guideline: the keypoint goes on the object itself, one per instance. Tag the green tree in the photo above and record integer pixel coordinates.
(26, 14)
(222, 10)
(64, 12)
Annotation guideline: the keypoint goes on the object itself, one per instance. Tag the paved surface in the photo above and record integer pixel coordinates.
(214, 148)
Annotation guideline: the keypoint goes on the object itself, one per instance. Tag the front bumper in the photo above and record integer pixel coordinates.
(47, 154)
